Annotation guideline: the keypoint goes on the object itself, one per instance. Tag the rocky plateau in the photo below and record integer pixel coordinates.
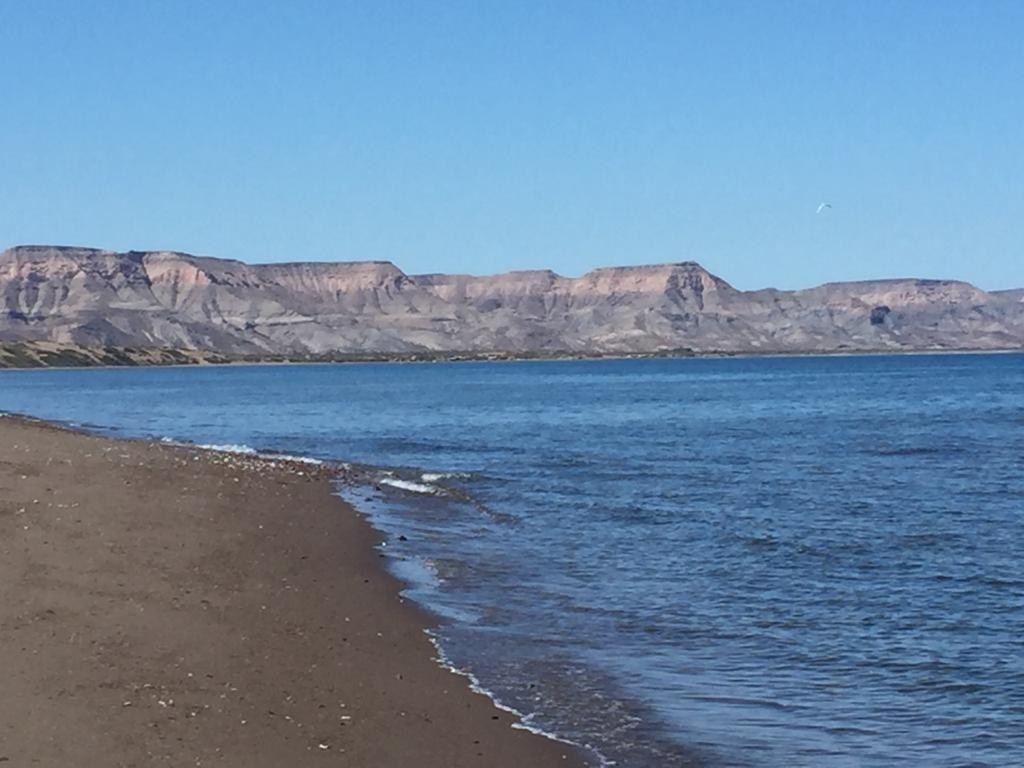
(166, 300)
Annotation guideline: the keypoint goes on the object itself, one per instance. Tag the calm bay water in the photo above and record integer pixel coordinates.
(763, 562)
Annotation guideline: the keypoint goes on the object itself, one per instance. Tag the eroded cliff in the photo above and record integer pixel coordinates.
(168, 299)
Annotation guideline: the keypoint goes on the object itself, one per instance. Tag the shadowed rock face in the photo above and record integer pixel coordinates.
(166, 299)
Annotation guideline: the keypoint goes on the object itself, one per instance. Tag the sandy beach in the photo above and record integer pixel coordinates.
(172, 606)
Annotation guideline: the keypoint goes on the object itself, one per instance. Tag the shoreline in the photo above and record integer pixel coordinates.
(217, 360)
(177, 604)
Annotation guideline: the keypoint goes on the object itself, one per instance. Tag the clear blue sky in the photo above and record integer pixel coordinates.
(485, 136)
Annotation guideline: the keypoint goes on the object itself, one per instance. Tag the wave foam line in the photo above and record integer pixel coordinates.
(434, 477)
(410, 486)
(523, 720)
(240, 449)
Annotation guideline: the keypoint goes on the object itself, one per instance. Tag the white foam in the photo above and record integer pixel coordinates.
(410, 486)
(291, 457)
(246, 450)
(434, 477)
(522, 723)
(228, 448)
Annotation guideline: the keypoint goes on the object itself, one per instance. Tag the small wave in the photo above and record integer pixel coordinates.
(246, 450)
(523, 720)
(228, 448)
(291, 457)
(435, 477)
(411, 486)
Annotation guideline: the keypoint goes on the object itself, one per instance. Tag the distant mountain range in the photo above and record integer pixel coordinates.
(159, 299)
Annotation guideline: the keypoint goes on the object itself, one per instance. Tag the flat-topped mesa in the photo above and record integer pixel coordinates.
(652, 279)
(181, 282)
(30, 252)
(44, 260)
(203, 269)
(286, 292)
(333, 277)
(307, 276)
(38, 282)
(527, 277)
(899, 292)
(649, 279)
(494, 288)
(354, 286)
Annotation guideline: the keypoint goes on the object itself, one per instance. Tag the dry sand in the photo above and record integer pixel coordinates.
(172, 606)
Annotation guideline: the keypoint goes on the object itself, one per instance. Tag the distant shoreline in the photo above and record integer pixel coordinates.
(53, 355)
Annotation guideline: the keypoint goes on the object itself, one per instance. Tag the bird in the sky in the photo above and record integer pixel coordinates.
(823, 206)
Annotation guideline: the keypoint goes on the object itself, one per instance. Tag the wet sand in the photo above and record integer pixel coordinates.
(162, 605)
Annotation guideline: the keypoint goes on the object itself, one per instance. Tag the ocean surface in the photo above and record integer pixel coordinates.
(737, 562)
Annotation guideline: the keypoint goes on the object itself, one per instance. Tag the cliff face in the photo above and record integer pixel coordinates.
(93, 297)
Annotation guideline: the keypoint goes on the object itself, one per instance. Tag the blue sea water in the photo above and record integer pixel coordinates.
(732, 562)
